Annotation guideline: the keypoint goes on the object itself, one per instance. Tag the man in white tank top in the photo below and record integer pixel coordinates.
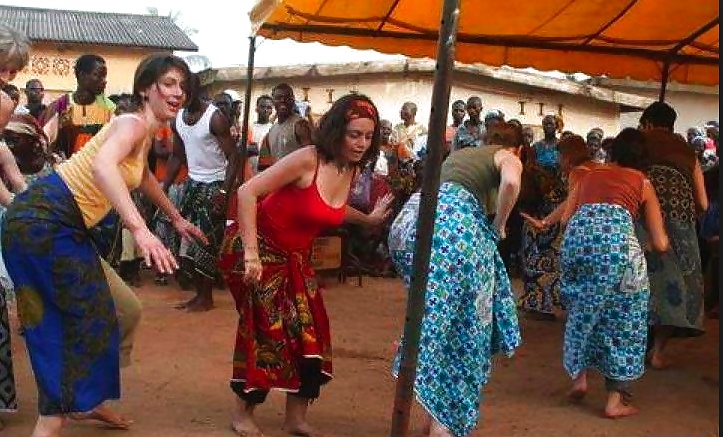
(202, 139)
(291, 131)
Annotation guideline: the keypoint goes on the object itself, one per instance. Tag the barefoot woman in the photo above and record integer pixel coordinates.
(469, 312)
(65, 304)
(604, 274)
(283, 339)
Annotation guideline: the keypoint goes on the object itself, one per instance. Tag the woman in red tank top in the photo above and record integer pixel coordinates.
(283, 340)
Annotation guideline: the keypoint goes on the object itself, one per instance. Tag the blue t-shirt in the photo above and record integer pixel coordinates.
(547, 155)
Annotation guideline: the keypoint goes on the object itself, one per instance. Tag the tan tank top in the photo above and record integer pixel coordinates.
(77, 173)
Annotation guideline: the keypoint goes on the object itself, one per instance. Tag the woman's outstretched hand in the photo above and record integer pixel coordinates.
(154, 252)
(188, 231)
(539, 225)
(381, 210)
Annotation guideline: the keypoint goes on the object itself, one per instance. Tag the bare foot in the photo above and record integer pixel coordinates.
(657, 362)
(302, 430)
(619, 411)
(576, 394)
(48, 426)
(437, 430)
(199, 306)
(426, 425)
(579, 388)
(105, 415)
(186, 304)
(246, 428)
(618, 405)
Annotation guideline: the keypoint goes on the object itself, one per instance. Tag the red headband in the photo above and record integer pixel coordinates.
(360, 109)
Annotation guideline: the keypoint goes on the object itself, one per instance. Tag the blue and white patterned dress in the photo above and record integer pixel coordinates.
(605, 288)
(469, 312)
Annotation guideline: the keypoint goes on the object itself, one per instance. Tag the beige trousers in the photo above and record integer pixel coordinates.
(129, 251)
(128, 310)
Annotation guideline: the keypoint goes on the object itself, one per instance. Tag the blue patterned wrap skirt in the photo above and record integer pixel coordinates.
(469, 310)
(64, 302)
(605, 288)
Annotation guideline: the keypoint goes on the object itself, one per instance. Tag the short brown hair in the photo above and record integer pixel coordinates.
(505, 134)
(574, 148)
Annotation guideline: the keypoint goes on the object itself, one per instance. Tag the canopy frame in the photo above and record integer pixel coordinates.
(674, 52)
(499, 41)
(425, 218)
(247, 107)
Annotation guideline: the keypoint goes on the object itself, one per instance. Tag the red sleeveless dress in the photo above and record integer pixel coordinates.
(283, 319)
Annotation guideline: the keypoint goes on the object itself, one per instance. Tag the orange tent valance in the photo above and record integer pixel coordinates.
(616, 38)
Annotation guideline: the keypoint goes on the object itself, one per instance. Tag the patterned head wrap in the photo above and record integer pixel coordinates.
(359, 108)
(25, 124)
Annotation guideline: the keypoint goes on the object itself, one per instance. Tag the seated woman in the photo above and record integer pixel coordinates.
(604, 274)
(469, 312)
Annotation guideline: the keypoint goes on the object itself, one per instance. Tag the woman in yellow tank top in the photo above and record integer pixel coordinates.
(66, 308)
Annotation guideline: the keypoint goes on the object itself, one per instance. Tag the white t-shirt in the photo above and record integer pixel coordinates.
(204, 156)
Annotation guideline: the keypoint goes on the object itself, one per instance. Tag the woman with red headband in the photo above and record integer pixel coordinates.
(283, 340)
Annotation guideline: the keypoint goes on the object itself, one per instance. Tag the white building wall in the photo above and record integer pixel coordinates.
(694, 109)
(389, 92)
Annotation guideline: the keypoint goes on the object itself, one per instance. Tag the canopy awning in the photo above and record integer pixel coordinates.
(616, 38)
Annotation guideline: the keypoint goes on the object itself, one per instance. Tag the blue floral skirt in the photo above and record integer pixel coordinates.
(64, 302)
(605, 288)
(469, 312)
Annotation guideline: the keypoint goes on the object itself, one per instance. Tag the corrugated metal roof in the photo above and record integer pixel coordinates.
(97, 28)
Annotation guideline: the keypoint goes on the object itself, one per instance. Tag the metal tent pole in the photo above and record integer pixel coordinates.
(425, 221)
(247, 106)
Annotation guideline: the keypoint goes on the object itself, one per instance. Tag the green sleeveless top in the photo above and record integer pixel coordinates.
(474, 168)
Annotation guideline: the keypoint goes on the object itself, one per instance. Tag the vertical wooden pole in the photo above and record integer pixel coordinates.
(247, 106)
(425, 222)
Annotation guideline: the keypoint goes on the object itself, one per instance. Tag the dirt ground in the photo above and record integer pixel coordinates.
(178, 383)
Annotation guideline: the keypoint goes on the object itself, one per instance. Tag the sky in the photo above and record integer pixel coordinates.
(222, 31)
